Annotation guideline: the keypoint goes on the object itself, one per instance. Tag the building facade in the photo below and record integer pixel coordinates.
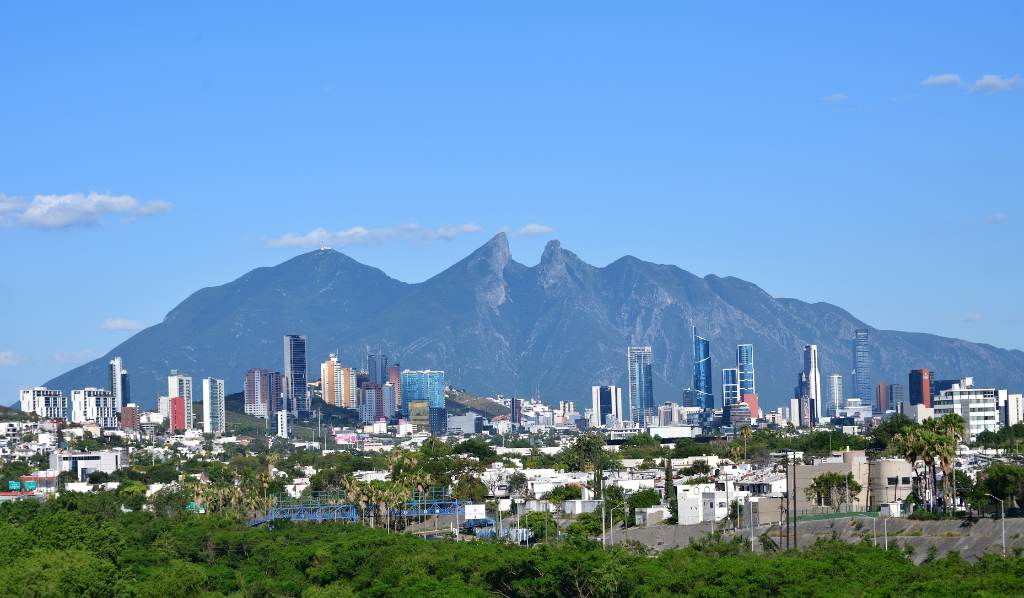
(94, 405)
(705, 395)
(296, 373)
(641, 384)
(812, 383)
(745, 365)
(920, 385)
(330, 376)
(262, 392)
(605, 402)
(180, 385)
(730, 386)
(862, 364)
(979, 407)
(213, 406)
(119, 386)
(835, 394)
(45, 403)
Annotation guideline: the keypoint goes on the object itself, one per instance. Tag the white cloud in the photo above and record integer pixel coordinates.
(358, 235)
(945, 79)
(75, 357)
(75, 209)
(9, 359)
(836, 97)
(995, 83)
(122, 325)
(971, 316)
(997, 218)
(533, 230)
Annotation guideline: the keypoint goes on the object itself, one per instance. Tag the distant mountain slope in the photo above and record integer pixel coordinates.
(497, 326)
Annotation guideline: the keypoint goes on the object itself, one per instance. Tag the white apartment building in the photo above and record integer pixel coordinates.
(978, 406)
(46, 403)
(180, 385)
(213, 406)
(96, 405)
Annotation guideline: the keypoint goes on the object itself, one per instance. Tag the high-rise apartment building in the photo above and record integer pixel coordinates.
(130, 418)
(835, 394)
(263, 390)
(349, 388)
(427, 385)
(180, 385)
(812, 383)
(330, 376)
(296, 393)
(606, 402)
(641, 384)
(178, 415)
(881, 397)
(119, 386)
(730, 386)
(395, 379)
(702, 371)
(745, 365)
(213, 406)
(45, 403)
(371, 402)
(920, 386)
(94, 405)
(979, 407)
(862, 364)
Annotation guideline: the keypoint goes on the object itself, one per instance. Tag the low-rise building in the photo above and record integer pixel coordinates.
(83, 463)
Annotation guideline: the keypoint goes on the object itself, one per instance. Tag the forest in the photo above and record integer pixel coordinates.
(86, 545)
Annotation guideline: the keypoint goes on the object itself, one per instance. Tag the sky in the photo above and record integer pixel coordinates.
(868, 155)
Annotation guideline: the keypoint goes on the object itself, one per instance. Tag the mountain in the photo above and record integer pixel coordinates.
(498, 326)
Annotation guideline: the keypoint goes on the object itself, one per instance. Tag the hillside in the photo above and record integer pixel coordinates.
(498, 326)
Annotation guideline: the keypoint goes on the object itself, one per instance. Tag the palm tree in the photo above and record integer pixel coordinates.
(746, 434)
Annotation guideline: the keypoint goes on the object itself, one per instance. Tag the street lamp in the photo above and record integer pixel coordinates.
(885, 530)
(1002, 520)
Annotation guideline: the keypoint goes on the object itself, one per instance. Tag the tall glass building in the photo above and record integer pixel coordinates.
(745, 365)
(426, 385)
(730, 386)
(641, 384)
(862, 387)
(702, 372)
(295, 392)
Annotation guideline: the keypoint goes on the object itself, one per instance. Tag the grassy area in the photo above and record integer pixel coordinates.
(459, 401)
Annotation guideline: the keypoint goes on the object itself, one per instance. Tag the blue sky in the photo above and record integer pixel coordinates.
(151, 151)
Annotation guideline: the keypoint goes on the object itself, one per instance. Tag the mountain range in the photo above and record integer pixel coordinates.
(497, 326)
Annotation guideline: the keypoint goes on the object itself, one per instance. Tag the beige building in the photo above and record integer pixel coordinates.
(881, 480)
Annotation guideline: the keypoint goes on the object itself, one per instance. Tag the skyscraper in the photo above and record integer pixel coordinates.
(377, 368)
(606, 401)
(835, 394)
(263, 390)
(641, 384)
(180, 385)
(812, 384)
(427, 385)
(395, 379)
(745, 365)
(330, 376)
(920, 385)
(119, 387)
(295, 373)
(702, 371)
(213, 406)
(862, 364)
(730, 386)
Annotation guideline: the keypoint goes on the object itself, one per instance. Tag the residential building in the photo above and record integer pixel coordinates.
(296, 393)
(920, 385)
(130, 418)
(641, 384)
(119, 386)
(177, 420)
(419, 414)
(180, 385)
(835, 394)
(45, 403)
(263, 392)
(470, 423)
(395, 379)
(730, 386)
(753, 402)
(424, 385)
(979, 407)
(862, 364)
(745, 365)
(282, 425)
(213, 406)
(94, 405)
(330, 377)
(349, 388)
(705, 395)
(438, 421)
(83, 463)
(606, 401)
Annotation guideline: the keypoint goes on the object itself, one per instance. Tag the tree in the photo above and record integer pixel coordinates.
(542, 524)
(833, 490)
(470, 488)
(558, 494)
(670, 490)
(746, 434)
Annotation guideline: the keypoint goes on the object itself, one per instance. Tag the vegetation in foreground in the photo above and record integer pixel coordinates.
(85, 545)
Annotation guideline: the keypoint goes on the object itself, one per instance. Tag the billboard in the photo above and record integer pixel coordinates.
(475, 511)
(13, 485)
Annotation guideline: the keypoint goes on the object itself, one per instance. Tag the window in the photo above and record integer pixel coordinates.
(906, 481)
(892, 481)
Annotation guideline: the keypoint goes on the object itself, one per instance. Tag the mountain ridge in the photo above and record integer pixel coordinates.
(498, 326)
